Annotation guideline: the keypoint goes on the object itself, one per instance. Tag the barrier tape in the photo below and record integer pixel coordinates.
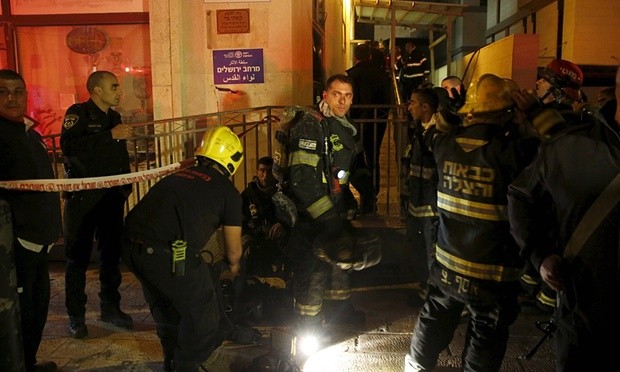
(105, 182)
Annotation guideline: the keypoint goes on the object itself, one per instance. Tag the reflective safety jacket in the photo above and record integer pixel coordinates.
(475, 165)
(321, 153)
(422, 180)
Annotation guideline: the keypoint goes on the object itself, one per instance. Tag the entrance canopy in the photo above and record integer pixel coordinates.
(435, 17)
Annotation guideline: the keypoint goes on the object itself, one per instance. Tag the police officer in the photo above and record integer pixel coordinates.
(176, 218)
(93, 143)
(477, 263)
(322, 149)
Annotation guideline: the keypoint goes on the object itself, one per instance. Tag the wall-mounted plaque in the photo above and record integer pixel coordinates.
(233, 21)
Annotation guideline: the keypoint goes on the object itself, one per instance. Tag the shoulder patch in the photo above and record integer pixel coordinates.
(70, 120)
(307, 144)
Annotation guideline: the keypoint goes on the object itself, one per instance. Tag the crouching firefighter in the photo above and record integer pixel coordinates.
(319, 152)
(164, 234)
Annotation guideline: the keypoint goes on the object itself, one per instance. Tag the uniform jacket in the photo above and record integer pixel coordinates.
(319, 147)
(418, 65)
(422, 180)
(187, 205)
(87, 144)
(475, 165)
(23, 156)
(555, 191)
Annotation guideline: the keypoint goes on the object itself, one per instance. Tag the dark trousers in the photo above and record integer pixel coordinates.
(422, 235)
(185, 308)
(487, 330)
(33, 279)
(313, 279)
(96, 214)
(372, 136)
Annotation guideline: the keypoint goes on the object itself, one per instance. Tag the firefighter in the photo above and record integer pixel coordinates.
(164, 235)
(322, 149)
(546, 204)
(477, 264)
(551, 112)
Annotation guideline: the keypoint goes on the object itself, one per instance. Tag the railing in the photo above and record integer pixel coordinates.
(163, 142)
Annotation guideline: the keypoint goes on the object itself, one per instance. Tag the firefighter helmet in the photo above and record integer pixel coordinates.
(490, 94)
(565, 79)
(222, 146)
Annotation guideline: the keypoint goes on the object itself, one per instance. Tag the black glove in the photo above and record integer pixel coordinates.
(457, 100)
(335, 242)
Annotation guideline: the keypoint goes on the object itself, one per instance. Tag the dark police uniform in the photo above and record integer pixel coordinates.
(90, 151)
(188, 205)
(317, 152)
(36, 226)
(477, 262)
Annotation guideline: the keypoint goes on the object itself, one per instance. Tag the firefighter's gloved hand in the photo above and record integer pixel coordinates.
(334, 242)
(456, 101)
(526, 102)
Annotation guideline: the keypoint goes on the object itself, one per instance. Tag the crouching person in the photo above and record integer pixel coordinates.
(164, 234)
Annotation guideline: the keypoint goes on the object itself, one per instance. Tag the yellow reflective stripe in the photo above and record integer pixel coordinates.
(423, 211)
(337, 294)
(303, 158)
(320, 206)
(528, 279)
(496, 273)
(310, 310)
(543, 298)
(421, 172)
(469, 144)
(483, 211)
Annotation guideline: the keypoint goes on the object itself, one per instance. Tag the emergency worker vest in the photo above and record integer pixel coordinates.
(475, 166)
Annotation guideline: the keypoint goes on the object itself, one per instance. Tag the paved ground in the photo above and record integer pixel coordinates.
(379, 345)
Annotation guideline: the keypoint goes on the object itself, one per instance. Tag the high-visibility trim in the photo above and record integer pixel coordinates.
(337, 294)
(476, 270)
(543, 298)
(528, 279)
(422, 172)
(320, 206)
(470, 144)
(422, 211)
(309, 310)
(483, 211)
(304, 158)
(409, 76)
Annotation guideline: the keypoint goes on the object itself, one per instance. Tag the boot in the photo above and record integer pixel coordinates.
(342, 312)
(77, 327)
(114, 315)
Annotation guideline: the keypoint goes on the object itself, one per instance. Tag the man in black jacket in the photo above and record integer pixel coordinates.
(370, 87)
(93, 143)
(36, 215)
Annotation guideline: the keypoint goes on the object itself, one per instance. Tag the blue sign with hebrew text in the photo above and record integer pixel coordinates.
(238, 66)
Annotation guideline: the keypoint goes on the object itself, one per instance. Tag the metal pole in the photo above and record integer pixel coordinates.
(11, 347)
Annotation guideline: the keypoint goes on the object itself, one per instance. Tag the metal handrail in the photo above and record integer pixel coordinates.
(162, 142)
